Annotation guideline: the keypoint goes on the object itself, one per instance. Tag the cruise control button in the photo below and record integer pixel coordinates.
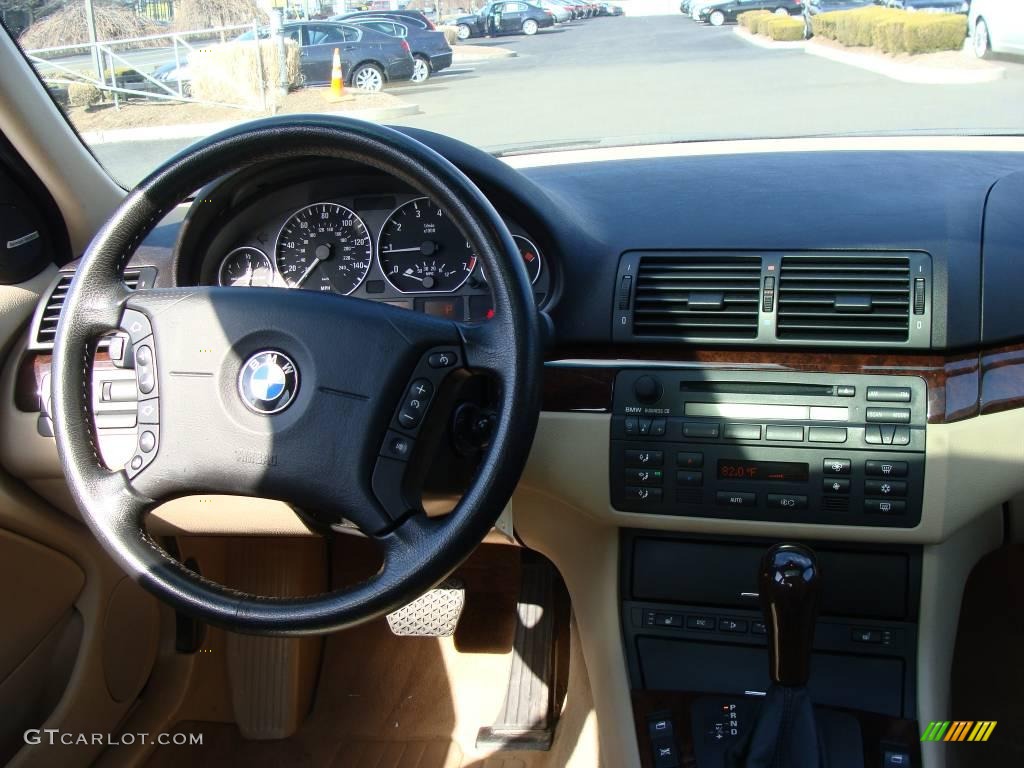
(442, 360)
(885, 506)
(836, 466)
(397, 446)
(420, 392)
(644, 476)
(408, 419)
(736, 499)
(644, 458)
(885, 488)
(136, 462)
(147, 441)
(885, 468)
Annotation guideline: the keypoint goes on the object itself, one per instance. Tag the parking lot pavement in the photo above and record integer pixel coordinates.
(665, 78)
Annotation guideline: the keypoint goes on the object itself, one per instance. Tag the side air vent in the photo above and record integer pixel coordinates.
(45, 325)
(700, 296)
(844, 298)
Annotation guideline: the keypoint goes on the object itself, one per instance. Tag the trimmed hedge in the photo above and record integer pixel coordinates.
(231, 73)
(749, 19)
(84, 95)
(892, 30)
(783, 28)
(451, 34)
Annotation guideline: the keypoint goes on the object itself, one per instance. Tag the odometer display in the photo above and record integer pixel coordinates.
(420, 250)
(324, 247)
(770, 471)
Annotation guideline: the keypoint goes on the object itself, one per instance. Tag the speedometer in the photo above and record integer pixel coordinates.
(324, 247)
(420, 250)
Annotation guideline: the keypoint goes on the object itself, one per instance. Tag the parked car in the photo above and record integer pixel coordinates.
(410, 17)
(813, 7)
(996, 26)
(561, 13)
(719, 13)
(504, 18)
(929, 6)
(430, 51)
(369, 58)
(608, 9)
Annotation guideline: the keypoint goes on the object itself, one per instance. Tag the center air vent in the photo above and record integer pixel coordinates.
(844, 298)
(45, 324)
(701, 296)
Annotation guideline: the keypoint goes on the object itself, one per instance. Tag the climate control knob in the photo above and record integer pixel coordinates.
(647, 389)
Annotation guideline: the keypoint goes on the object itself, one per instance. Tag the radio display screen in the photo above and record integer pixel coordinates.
(781, 471)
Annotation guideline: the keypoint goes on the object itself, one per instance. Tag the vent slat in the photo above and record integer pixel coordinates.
(684, 296)
(849, 297)
(47, 330)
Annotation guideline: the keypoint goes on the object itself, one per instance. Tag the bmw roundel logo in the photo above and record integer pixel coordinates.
(268, 382)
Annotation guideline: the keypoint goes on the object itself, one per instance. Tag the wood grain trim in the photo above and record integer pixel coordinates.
(1002, 379)
(30, 374)
(954, 381)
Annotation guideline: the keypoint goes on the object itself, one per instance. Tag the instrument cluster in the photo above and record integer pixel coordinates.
(398, 248)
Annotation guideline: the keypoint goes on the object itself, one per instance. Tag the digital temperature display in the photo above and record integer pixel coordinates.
(771, 471)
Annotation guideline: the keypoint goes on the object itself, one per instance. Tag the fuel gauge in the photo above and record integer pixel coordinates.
(246, 266)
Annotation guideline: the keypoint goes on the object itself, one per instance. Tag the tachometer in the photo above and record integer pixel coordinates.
(246, 266)
(420, 250)
(324, 247)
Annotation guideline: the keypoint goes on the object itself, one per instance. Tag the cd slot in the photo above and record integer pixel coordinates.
(766, 411)
(758, 388)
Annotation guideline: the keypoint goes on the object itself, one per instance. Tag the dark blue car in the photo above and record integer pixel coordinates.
(430, 51)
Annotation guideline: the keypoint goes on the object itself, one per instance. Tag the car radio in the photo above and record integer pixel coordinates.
(765, 445)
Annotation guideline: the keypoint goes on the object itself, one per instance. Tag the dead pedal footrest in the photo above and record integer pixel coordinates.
(433, 614)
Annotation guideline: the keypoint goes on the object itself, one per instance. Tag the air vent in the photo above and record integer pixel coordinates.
(697, 297)
(844, 298)
(46, 323)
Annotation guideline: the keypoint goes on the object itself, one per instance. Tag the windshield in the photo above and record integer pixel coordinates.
(140, 81)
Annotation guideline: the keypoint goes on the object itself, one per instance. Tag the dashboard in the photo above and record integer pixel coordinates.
(353, 233)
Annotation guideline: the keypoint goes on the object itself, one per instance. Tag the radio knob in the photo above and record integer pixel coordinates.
(647, 389)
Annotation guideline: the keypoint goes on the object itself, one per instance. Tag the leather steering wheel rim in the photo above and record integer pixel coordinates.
(333, 402)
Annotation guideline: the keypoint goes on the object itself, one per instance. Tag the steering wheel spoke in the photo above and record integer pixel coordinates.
(318, 400)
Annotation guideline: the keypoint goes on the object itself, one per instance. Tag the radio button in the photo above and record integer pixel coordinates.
(889, 394)
(699, 429)
(632, 425)
(885, 506)
(658, 428)
(644, 476)
(689, 460)
(644, 458)
(736, 499)
(837, 466)
(786, 501)
(742, 431)
(689, 477)
(885, 468)
(901, 436)
(826, 434)
(872, 434)
(645, 427)
(885, 488)
(845, 390)
(835, 485)
(643, 494)
(791, 434)
(891, 415)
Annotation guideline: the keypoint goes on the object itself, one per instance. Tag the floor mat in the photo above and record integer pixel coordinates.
(398, 754)
(988, 668)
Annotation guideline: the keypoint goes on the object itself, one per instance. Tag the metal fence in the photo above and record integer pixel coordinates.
(108, 62)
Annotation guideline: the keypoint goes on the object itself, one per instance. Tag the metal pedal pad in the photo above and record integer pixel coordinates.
(433, 614)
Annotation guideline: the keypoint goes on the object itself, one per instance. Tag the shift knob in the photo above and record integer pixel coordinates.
(788, 584)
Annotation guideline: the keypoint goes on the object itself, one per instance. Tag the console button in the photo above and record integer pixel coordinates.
(732, 625)
(658, 428)
(891, 415)
(758, 628)
(889, 394)
(700, 622)
(872, 434)
(644, 476)
(147, 441)
(866, 635)
(901, 436)
(644, 458)
(668, 620)
(791, 434)
(149, 411)
(845, 390)
(742, 431)
(736, 499)
(137, 325)
(885, 468)
(835, 485)
(885, 488)
(660, 727)
(885, 506)
(837, 466)
(826, 434)
(665, 755)
(632, 425)
(786, 501)
(689, 459)
(698, 429)
(690, 477)
(647, 389)
(643, 494)
(888, 431)
(896, 758)
(645, 427)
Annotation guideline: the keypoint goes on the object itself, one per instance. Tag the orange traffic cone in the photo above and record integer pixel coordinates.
(337, 82)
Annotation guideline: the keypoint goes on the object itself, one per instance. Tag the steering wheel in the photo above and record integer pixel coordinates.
(313, 399)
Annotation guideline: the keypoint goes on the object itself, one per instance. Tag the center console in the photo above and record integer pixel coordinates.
(763, 445)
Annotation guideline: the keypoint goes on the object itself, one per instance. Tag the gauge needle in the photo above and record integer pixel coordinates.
(305, 274)
(401, 250)
(408, 273)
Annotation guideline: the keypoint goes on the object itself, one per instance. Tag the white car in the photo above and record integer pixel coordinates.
(560, 12)
(996, 26)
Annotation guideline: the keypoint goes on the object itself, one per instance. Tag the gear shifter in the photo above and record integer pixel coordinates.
(789, 583)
